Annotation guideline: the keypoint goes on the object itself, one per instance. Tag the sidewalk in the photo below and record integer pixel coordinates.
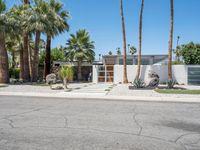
(97, 92)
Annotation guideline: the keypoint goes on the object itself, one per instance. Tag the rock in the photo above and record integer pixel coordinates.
(51, 78)
(153, 79)
(57, 87)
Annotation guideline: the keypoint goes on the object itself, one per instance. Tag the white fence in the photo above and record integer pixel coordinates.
(180, 72)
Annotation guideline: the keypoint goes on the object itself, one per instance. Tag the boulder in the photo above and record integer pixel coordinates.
(153, 79)
(51, 78)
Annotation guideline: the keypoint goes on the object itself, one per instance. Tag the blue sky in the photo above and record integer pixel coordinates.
(102, 19)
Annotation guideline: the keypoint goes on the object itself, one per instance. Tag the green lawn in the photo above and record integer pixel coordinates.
(176, 91)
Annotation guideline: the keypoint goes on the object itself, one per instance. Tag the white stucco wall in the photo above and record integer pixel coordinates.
(132, 70)
(180, 72)
(94, 73)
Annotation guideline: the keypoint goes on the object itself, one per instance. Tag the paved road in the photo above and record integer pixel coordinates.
(59, 124)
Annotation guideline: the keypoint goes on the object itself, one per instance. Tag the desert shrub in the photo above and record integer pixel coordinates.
(171, 83)
(138, 83)
(66, 73)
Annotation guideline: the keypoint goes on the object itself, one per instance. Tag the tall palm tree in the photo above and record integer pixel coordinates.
(171, 39)
(80, 48)
(37, 22)
(18, 32)
(26, 69)
(125, 78)
(58, 24)
(140, 41)
(4, 76)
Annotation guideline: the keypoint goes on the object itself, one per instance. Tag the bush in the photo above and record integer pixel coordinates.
(138, 83)
(171, 83)
(14, 73)
(66, 73)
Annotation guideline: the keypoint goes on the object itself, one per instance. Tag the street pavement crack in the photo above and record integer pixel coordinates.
(10, 122)
(137, 123)
(66, 123)
(33, 110)
(179, 142)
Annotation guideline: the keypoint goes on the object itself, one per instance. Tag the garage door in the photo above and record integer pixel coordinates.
(194, 75)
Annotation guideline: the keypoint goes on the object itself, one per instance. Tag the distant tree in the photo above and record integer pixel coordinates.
(177, 52)
(110, 53)
(191, 53)
(119, 51)
(133, 50)
(57, 54)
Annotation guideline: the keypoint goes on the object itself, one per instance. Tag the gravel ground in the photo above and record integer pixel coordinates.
(121, 90)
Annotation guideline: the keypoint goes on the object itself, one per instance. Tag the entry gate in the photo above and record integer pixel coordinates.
(194, 75)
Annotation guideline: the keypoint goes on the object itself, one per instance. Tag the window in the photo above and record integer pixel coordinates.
(128, 61)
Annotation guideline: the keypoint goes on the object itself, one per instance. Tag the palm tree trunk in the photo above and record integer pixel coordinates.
(171, 39)
(140, 41)
(65, 83)
(25, 53)
(26, 59)
(79, 71)
(48, 56)
(4, 75)
(36, 56)
(30, 62)
(125, 79)
(21, 63)
(13, 59)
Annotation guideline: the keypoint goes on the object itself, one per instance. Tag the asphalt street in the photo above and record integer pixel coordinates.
(70, 124)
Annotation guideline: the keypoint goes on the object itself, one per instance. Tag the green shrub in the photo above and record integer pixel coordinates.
(138, 83)
(171, 83)
(66, 73)
(14, 73)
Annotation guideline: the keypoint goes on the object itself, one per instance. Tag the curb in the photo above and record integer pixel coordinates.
(96, 96)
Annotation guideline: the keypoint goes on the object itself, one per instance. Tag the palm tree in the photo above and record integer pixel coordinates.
(18, 33)
(119, 51)
(57, 24)
(37, 22)
(133, 50)
(140, 41)
(4, 76)
(26, 69)
(171, 39)
(125, 78)
(110, 53)
(80, 48)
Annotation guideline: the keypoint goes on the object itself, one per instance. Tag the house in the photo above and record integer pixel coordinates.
(106, 71)
(110, 69)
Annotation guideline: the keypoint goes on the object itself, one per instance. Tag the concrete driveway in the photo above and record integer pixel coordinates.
(59, 124)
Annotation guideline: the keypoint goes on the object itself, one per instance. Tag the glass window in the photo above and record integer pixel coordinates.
(128, 61)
